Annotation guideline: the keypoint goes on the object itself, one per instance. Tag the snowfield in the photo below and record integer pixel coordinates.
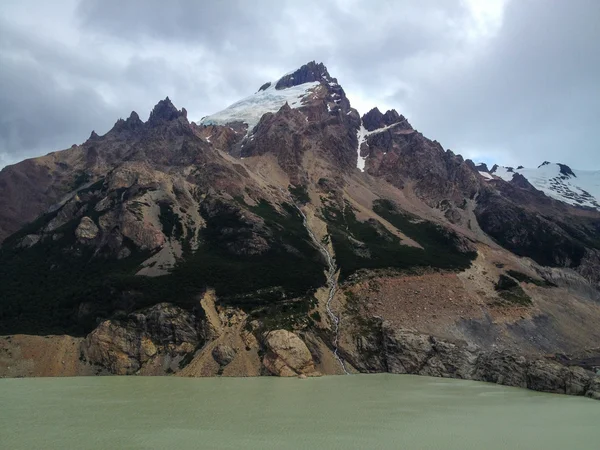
(250, 109)
(575, 187)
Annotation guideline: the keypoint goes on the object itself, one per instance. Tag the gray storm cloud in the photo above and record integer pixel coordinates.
(513, 82)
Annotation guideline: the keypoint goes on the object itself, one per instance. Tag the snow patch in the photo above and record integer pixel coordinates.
(250, 109)
(580, 189)
(362, 135)
(506, 173)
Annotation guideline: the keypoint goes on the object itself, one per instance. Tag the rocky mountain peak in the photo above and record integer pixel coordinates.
(308, 73)
(134, 118)
(165, 111)
(132, 123)
(375, 119)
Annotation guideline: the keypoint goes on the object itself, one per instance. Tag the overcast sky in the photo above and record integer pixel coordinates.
(507, 81)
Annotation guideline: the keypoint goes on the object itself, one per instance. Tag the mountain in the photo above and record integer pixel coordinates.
(558, 181)
(288, 235)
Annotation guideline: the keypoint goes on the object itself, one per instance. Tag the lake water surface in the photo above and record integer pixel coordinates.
(343, 412)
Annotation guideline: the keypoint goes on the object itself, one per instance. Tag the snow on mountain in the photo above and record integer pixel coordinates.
(558, 181)
(362, 133)
(250, 109)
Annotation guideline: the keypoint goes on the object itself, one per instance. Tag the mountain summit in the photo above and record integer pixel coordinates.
(288, 235)
(308, 73)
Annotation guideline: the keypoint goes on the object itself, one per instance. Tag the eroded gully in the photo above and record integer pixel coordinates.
(331, 284)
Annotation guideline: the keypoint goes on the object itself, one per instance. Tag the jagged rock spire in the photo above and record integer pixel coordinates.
(374, 119)
(165, 111)
(132, 123)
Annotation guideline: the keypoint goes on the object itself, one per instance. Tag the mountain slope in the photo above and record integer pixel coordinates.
(558, 181)
(201, 249)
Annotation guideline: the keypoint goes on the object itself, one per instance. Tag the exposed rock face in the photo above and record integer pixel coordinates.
(290, 133)
(374, 119)
(408, 352)
(247, 234)
(398, 156)
(86, 230)
(280, 135)
(124, 346)
(307, 73)
(287, 354)
(527, 233)
(165, 111)
(132, 124)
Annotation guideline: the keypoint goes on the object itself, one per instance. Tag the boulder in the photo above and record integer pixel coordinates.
(87, 230)
(287, 355)
(223, 354)
(594, 388)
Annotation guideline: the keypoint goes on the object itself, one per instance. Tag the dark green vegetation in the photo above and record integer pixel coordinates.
(300, 194)
(43, 288)
(509, 290)
(290, 267)
(369, 245)
(292, 315)
(80, 178)
(171, 224)
(549, 240)
(60, 286)
(519, 276)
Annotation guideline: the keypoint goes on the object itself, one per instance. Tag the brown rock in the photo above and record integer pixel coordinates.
(287, 354)
(223, 354)
(86, 230)
(124, 346)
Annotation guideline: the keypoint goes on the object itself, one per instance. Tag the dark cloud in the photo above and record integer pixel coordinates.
(39, 111)
(514, 87)
(533, 95)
